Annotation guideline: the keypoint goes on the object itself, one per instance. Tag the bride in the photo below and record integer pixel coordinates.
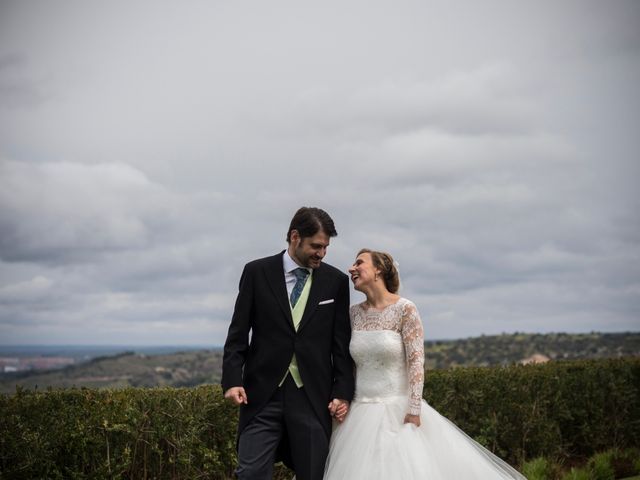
(390, 432)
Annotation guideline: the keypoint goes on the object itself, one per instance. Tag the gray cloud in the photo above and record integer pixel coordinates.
(493, 153)
(17, 89)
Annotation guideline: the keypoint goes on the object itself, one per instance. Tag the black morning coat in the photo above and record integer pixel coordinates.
(321, 343)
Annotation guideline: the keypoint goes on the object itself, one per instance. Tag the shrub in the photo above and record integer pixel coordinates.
(600, 466)
(627, 462)
(557, 410)
(537, 469)
(130, 433)
(577, 474)
(608, 465)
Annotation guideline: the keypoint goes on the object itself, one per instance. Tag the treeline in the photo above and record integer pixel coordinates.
(507, 349)
(197, 367)
(567, 409)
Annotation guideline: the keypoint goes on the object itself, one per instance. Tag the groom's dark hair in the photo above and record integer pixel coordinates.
(310, 220)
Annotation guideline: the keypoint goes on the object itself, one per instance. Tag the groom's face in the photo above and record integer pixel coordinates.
(309, 251)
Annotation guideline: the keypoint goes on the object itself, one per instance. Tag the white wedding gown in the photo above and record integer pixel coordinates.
(374, 442)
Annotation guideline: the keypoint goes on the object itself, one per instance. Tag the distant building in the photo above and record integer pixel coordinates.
(19, 364)
(9, 364)
(535, 358)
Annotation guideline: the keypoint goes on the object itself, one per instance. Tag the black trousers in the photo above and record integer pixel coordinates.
(287, 413)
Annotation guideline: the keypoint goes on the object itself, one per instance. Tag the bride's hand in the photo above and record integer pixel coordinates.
(338, 409)
(415, 419)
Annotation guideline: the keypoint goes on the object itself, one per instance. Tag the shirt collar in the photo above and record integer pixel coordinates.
(289, 263)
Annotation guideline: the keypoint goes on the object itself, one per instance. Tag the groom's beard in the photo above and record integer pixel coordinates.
(307, 260)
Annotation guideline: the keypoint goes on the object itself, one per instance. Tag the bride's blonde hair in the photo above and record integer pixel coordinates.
(384, 262)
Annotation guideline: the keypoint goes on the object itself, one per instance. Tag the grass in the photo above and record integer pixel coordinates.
(612, 464)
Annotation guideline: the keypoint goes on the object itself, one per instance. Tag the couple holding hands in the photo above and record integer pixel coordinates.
(297, 355)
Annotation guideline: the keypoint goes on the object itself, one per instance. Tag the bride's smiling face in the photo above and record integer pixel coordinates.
(362, 271)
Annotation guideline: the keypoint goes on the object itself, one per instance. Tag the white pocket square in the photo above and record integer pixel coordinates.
(324, 302)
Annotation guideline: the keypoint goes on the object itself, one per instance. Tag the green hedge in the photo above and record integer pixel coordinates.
(185, 433)
(560, 409)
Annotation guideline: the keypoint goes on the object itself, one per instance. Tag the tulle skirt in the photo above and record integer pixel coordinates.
(374, 443)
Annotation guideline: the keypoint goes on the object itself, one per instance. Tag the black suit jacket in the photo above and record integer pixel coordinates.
(321, 343)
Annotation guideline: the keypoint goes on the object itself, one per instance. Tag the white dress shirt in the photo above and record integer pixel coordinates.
(289, 266)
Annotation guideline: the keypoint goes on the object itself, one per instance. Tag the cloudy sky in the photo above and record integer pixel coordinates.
(148, 150)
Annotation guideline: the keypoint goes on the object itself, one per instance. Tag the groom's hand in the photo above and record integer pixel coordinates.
(338, 409)
(236, 395)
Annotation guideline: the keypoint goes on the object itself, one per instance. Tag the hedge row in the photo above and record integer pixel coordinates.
(561, 409)
(177, 433)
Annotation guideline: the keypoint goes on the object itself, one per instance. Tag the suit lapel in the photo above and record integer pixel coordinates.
(274, 272)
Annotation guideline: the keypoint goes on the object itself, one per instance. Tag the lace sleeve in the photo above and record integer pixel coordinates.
(413, 339)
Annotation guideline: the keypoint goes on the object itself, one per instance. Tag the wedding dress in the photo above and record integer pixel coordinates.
(374, 442)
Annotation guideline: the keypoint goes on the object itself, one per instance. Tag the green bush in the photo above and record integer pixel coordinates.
(556, 410)
(601, 466)
(608, 465)
(626, 463)
(538, 469)
(131, 433)
(578, 474)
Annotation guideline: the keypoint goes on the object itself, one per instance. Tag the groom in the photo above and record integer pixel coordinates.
(286, 359)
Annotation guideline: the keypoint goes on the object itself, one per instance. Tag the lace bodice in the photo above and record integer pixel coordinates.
(388, 349)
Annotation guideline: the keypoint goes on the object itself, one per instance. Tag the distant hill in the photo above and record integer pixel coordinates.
(128, 369)
(507, 349)
(190, 368)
